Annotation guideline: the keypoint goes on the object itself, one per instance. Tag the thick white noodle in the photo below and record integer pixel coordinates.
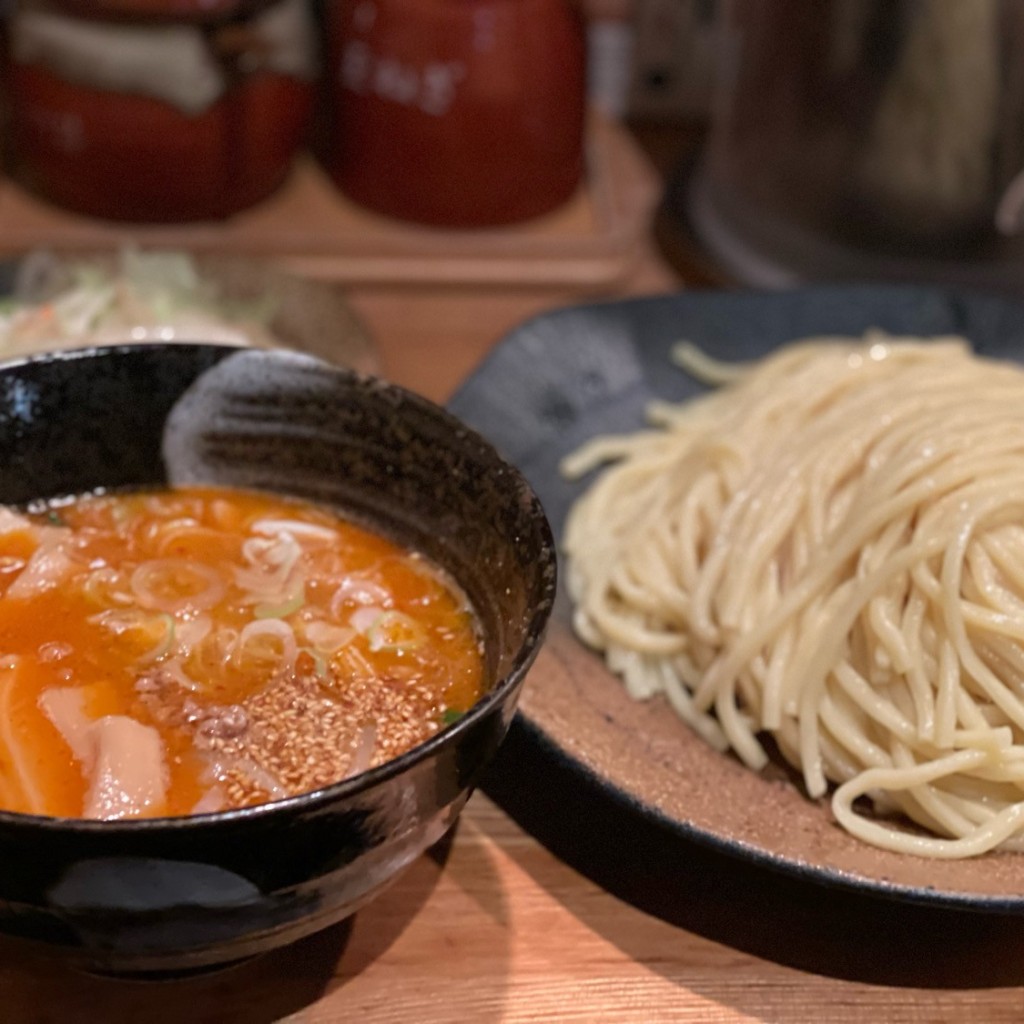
(829, 549)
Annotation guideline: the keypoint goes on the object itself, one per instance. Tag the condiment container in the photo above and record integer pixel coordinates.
(456, 112)
(4, 131)
(157, 120)
(854, 139)
(185, 10)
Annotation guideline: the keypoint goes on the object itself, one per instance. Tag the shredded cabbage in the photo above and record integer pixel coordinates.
(146, 296)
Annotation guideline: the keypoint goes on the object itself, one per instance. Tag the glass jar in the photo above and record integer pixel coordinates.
(859, 139)
(456, 112)
(156, 120)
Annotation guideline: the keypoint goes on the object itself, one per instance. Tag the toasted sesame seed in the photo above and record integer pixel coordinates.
(305, 736)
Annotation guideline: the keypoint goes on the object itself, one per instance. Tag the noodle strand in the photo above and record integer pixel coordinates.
(829, 549)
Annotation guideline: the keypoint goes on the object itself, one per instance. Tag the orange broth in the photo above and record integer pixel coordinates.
(173, 652)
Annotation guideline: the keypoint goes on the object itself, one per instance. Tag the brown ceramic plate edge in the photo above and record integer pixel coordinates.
(569, 374)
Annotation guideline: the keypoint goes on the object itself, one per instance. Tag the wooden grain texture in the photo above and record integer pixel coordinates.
(588, 242)
(492, 926)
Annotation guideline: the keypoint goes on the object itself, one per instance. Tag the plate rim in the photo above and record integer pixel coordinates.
(959, 302)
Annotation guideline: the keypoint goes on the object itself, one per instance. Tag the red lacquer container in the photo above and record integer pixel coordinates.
(456, 112)
(159, 121)
(183, 10)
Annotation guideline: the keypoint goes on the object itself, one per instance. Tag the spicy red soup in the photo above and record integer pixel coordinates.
(192, 650)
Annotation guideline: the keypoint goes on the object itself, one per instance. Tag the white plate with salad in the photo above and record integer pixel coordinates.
(56, 301)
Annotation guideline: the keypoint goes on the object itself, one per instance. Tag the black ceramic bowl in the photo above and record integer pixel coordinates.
(174, 894)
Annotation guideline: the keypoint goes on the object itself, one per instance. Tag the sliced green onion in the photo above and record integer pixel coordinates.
(292, 604)
(296, 527)
(328, 638)
(278, 632)
(451, 715)
(135, 621)
(192, 632)
(103, 587)
(176, 584)
(357, 590)
(362, 753)
(394, 631)
(168, 641)
(273, 566)
(365, 618)
(319, 662)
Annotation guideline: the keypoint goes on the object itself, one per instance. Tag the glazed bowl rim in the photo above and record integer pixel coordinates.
(535, 626)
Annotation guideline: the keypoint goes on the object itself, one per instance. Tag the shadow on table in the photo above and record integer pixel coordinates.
(827, 931)
(37, 988)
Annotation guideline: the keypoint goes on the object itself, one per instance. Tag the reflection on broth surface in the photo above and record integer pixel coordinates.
(192, 650)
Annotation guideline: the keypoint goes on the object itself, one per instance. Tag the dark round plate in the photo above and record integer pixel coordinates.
(565, 376)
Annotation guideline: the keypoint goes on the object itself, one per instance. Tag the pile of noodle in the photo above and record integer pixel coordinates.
(829, 550)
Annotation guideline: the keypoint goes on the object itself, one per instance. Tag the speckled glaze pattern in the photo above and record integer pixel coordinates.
(568, 375)
(178, 894)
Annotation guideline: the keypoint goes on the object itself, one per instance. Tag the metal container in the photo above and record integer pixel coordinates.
(867, 138)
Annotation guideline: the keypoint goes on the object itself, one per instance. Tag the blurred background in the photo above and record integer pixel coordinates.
(791, 140)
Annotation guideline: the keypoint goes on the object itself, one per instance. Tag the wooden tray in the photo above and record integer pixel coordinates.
(590, 241)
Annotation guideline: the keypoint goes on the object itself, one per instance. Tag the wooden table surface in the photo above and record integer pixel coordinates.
(601, 924)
